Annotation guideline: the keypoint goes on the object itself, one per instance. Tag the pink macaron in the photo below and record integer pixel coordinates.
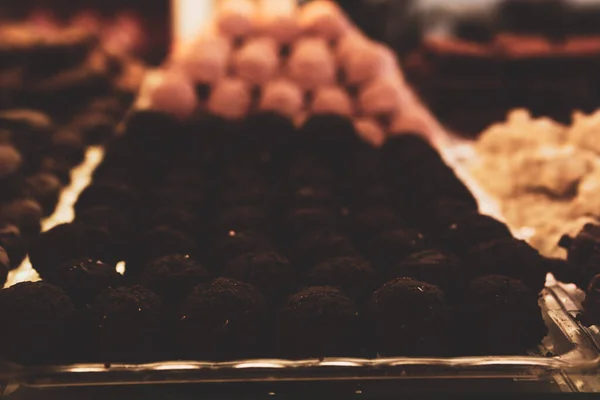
(230, 98)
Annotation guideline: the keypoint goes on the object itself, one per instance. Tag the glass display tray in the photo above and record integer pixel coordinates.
(568, 358)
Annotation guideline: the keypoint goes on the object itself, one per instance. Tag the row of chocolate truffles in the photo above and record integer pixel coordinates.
(228, 271)
(37, 155)
(61, 71)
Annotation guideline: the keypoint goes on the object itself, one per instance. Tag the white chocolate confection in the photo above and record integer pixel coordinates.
(230, 98)
(324, 19)
(369, 131)
(381, 96)
(331, 100)
(257, 60)
(282, 96)
(170, 92)
(236, 18)
(278, 19)
(205, 60)
(311, 64)
(544, 175)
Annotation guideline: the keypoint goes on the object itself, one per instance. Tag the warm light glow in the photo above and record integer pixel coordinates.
(189, 18)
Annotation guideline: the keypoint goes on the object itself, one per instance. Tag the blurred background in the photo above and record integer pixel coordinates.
(145, 29)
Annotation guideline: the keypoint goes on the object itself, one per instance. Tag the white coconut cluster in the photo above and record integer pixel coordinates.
(273, 55)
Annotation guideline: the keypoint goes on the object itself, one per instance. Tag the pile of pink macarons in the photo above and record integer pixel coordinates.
(274, 55)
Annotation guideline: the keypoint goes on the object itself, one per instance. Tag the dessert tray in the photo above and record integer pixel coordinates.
(567, 358)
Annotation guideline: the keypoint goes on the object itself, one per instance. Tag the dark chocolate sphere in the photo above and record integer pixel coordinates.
(242, 218)
(369, 223)
(176, 218)
(270, 272)
(118, 196)
(354, 276)
(236, 243)
(45, 189)
(302, 221)
(14, 244)
(470, 230)
(509, 257)
(24, 213)
(389, 248)
(435, 267)
(499, 315)
(410, 318)
(66, 242)
(68, 145)
(40, 316)
(96, 126)
(157, 243)
(124, 324)
(318, 321)
(316, 246)
(222, 319)
(10, 160)
(583, 253)
(83, 279)
(173, 277)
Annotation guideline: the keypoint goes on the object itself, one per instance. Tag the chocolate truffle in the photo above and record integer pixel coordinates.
(10, 161)
(316, 246)
(24, 213)
(372, 222)
(118, 196)
(509, 257)
(69, 146)
(236, 243)
(45, 189)
(173, 277)
(14, 244)
(84, 278)
(582, 252)
(67, 242)
(242, 218)
(302, 221)
(96, 126)
(470, 230)
(410, 318)
(499, 315)
(118, 223)
(58, 167)
(40, 316)
(402, 149)
(176, 218)
(309, 170)
(222, 319)
(388, 248)
(124, 324)
(31, 133)
(319, 322)
(269, 272)
(435, 267)
(4, 266)
(155, 243)
(330, 135)
(255, 196)
(309, 196)
(354, 276)
(591, 304)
